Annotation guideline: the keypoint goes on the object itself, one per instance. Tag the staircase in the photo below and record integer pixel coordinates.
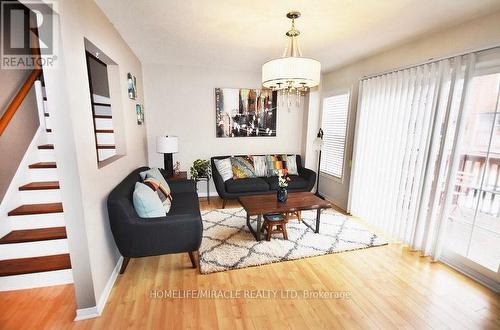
(34, 252)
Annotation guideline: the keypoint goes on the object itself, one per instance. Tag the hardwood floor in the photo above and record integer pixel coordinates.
(390, 287)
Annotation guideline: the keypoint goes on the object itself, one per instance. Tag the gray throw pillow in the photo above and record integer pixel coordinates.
(291, 164)
(224, 168)
(260, 165)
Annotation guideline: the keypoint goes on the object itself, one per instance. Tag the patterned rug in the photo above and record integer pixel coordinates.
(228, 244)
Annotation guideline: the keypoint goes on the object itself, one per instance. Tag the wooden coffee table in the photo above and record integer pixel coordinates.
(258, 205)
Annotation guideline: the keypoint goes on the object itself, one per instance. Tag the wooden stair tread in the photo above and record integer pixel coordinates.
(106, 146)
(104, 131)
(34, 265)
(44, 208)
(43, 165)
(46, 114)
(34, 235)
(42, 185)
(101, 104)
(46, 146)
(48, 130)
(103, 116)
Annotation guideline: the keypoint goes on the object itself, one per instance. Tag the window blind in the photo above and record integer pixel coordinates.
(404, 138)
(334, 125)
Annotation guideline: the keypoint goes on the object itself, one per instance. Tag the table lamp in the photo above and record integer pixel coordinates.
(167, 145)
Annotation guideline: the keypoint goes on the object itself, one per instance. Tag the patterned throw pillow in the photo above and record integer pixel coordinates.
(162, 191)
(275, 163)
(155, 173)
(242, 168)
(224, 168)
(260, 165)
(291, 164)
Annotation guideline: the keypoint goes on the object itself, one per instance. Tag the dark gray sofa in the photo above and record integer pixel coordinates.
(232, 189)
(179, 231)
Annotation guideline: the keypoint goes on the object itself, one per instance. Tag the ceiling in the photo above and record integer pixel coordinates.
(242, 35)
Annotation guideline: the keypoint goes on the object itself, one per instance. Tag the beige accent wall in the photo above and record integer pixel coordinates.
(481, 32)
(22, 128)
(85, 187)
(181, 101)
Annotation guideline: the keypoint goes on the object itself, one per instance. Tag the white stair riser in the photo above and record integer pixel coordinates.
(50, 138)
(36, 280)
(40, 196)
(105, 138)
(35, 221)
(102, 110)
(33, 249)
(43, 174)
(101, 123)
(101, 99)
(47, 122)
(47, 155)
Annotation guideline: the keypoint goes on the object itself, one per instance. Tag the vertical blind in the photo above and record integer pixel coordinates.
(404, 141)
(334, 125)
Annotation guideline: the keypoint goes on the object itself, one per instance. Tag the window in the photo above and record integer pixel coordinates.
(334, 125)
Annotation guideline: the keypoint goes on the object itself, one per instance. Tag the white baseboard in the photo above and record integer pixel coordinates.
(96, 311)
(86, 313)
(204, 194)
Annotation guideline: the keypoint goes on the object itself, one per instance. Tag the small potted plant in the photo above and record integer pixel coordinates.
(200, 169)
(283, 180)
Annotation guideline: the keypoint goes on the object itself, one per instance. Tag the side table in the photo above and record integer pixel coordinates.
(181, 176)
(207, 179)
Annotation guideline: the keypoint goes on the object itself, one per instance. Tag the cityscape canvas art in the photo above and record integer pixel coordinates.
(242, 112)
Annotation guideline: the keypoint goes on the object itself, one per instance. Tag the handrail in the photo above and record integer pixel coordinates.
(18, 99)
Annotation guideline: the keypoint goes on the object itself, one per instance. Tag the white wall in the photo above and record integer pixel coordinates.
(481, 32)
(180, 100)
(84, 186)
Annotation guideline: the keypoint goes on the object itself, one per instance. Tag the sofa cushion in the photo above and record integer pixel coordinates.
(246, 185)
(296, 182)
(185, 203)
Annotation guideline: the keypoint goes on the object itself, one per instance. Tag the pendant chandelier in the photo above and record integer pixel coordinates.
(291, 74)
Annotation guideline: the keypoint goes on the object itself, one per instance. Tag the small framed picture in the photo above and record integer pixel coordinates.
(139, 111)
(132, 86)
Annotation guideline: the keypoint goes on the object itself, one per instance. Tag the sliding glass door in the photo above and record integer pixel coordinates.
(426, 166)
(473, 230)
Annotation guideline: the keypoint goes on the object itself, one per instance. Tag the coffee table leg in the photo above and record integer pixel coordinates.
(259, 219)
(318, 215)
(255, 234)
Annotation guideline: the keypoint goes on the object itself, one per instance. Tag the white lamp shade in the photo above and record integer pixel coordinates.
(317, 143)
(167, 144)
(302, 71)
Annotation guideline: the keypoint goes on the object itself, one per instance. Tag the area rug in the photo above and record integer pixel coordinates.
(228, 244)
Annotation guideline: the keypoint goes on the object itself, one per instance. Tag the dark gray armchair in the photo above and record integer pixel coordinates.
(179, 231)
